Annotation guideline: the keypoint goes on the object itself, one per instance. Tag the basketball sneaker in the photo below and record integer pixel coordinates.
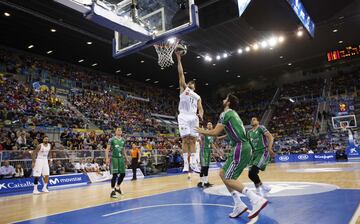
(238, 210)
(257, 206)
(36, 191)
(266, 188)
(118, 190)
(113, 194)
(200, 185)
(208, 185)
(45, 190)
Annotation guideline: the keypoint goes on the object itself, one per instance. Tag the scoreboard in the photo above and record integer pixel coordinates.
(348, 52)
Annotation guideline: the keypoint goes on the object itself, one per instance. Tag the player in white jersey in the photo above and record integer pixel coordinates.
(190, 110)
(40, 164)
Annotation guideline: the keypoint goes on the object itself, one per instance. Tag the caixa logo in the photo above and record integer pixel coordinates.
(303, 157)
(284, 158)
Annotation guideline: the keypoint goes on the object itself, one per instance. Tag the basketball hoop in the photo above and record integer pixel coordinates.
(165, 50)
(344, 125)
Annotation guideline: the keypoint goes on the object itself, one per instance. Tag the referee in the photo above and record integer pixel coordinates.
(135, 159)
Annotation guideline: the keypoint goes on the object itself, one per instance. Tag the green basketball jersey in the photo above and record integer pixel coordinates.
(258, 138)
(234, 126)
(117, 146)
(207, 142)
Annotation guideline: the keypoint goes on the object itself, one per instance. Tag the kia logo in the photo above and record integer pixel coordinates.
(284, 158)
(2, 186)
(303, 157)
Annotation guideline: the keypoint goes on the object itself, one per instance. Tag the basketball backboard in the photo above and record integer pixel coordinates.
(138, 23)
(341, 122)
(162, 18)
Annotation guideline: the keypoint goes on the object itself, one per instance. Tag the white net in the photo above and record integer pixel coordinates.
(165, 50)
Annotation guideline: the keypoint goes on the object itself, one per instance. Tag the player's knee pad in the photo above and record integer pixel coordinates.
(36, 180)
(253, 174)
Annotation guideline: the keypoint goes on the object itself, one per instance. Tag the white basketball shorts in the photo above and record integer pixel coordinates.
(187, 124)
(41, 168)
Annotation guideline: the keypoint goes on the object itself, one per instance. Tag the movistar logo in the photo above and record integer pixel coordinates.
(55, 181)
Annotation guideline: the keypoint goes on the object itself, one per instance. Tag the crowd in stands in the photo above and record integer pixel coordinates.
(21, 105)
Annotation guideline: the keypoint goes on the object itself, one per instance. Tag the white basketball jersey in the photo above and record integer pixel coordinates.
(188, 101)
(44, 151)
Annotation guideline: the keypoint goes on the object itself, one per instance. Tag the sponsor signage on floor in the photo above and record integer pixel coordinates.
(328, 157)
(26, 184)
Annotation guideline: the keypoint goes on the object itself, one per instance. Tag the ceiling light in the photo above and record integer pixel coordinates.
(299, 33)
(340, 41)
(247, 49)
(81, 60)
(341, 17)
(225, 55)
(89, 43)
(256, 46)
(128, 74)
(156, 82)
(214, 64)
(264, 44)
(290, 64)
(198, 56)
(7, 14)
(194, 79)
(118, 71)
(238, 76)
(291, 100)
(185, 72)
(281, 39)
(281, 57)
(240, 51)
(142, 61)
(49, 52)
(30, 46)
(52, 30)
(93, 65)
(162, 68)
(206, 84)
(227, 70)
(271, 48)
(171, 86)
(146, 80)
(208, 58)
(272, 41)
(335, 31)
(218, 57)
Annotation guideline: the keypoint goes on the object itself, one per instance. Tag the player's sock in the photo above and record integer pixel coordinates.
(251, 194)
(186, 162)
(236, 198)
(206, 179)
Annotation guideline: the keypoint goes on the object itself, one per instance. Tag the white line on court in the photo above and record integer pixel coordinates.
(167, 205)
(356, 216)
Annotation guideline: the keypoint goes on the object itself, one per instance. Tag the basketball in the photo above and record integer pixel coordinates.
(181, 48)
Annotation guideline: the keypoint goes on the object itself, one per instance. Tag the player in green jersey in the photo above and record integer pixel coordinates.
(262, 142)
(118, 161)
(206, 147)
(238, 159)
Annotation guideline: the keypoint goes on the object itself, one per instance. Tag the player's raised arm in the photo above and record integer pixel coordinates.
(200, 109)
(182, 83)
